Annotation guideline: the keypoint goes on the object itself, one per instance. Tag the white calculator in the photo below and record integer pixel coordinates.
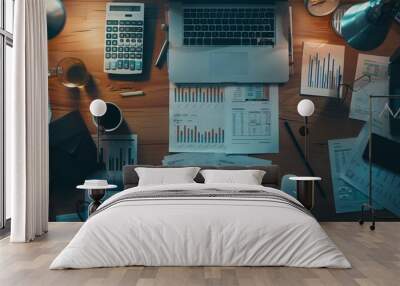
(123, 49)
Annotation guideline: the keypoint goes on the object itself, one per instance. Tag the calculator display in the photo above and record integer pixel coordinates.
(125, 8)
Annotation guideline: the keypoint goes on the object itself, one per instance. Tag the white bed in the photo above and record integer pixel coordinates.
(206, 230)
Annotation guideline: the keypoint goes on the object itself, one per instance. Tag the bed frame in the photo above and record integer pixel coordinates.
(271, 178)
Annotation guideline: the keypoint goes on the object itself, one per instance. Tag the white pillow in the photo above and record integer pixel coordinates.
(248, 177)
(166, 176)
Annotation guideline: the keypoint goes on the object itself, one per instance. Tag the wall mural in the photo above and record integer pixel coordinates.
(111, 105)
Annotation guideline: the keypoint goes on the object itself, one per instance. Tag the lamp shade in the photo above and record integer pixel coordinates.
(365, 26)
(98, 107)
(305, 108)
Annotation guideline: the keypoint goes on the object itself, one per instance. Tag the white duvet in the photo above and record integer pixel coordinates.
(206, 231)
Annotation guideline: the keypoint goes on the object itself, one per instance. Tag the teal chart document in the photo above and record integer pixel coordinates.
(224, 119)
(385, 184)
(347, 197)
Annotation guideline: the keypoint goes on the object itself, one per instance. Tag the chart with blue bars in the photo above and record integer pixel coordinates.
(322, 69)
(185, 134)
(199, 95)
(197, 121)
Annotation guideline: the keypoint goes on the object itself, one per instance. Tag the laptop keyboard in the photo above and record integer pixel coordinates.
(229, 26)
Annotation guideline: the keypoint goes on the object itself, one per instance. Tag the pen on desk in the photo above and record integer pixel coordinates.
(162, 53)
(164, 47)
(132, 93)
(303, 158)
(291, 55)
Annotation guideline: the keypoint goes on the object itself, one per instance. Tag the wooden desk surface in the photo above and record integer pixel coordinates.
(147, 116)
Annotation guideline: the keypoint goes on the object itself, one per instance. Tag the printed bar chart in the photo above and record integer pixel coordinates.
(197, 119)
(115, 152)
(234, 119)
(322, 70)
(199, 95)
(186, 134)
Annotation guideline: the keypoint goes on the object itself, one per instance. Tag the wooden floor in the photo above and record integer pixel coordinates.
(375, 257)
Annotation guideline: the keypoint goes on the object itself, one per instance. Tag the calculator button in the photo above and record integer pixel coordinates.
(139, 49)
(126, 64)
(114, 56)
(126, 56)
(120, 55)
(138, 56)
(139, 29)
(120, 49)
(132, 65)
(121, 29)
(107, 65)
(114, 49)
(115, 29)
(114, 65)
(126, 49)
(108, 36)
(114, 36)
(115, 42)
(138, 65)
(120, 64)
(108, 49)
(139, 22)
(108, 55)
(109, 29)
(108, 42)
(132, 56)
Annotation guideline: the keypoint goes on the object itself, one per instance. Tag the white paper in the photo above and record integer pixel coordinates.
(252, 119)
(322, 69)
(375, 82)
(239, 120)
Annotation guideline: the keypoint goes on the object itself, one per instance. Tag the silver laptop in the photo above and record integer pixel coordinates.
(228, 43)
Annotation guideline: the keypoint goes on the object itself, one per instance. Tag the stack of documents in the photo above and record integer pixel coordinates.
(212, 159)
(350, 177)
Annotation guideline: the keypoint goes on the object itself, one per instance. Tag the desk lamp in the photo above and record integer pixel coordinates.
(305, 108)
(98, 108)
(365, 26)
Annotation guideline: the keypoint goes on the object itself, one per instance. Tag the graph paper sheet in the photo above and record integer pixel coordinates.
(230, 119)
(322, 69)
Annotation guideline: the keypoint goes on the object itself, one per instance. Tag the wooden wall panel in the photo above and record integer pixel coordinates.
(83, 37)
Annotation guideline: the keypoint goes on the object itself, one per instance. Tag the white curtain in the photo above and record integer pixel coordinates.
(27, 124)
